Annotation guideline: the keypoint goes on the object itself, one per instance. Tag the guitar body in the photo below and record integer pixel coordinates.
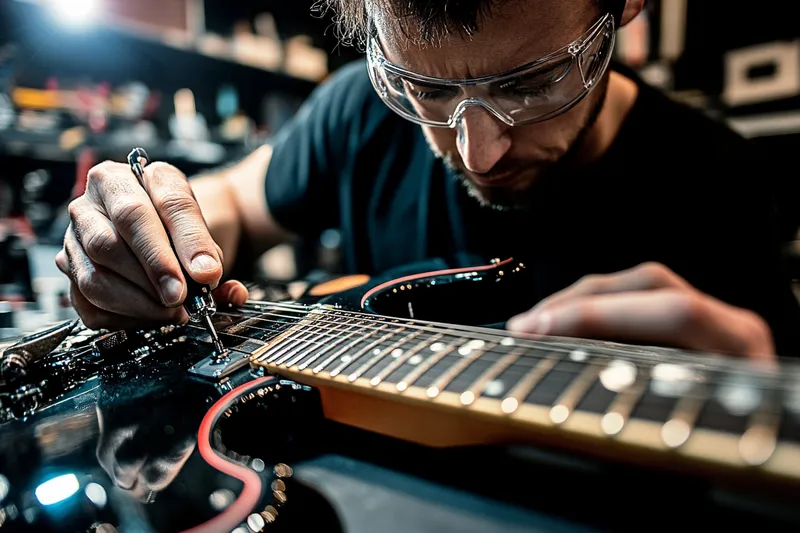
(301, 427)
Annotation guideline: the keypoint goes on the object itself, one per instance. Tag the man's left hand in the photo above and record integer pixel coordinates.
(648, 304)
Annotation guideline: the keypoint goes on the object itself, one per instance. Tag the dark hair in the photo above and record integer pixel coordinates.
(432, 19)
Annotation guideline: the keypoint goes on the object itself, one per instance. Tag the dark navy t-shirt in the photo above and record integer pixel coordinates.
(675, 187)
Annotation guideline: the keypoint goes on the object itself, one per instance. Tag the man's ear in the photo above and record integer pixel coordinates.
(632, 9)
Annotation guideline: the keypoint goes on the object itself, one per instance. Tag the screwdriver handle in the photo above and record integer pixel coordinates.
(198, 302)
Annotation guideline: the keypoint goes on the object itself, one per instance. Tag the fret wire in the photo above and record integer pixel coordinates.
(619, 412)
(311, 338)
(476, 389)
(293, 336)
(441, 383)
(619, 407)
(304, 335)
(627, 356)
(320, 367)
(521, 390)
(306, 339)
(527, 356)
(366, 366)
(328, 347)
(397, 363)
(322, 321)
(423, 367)
(335, 372)
(299, 331)
(677, 430)
(706, 360)
(570, 397)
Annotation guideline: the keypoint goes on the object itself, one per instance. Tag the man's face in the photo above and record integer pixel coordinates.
(499, 164)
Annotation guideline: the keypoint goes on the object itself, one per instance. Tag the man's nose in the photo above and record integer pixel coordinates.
(482, 140)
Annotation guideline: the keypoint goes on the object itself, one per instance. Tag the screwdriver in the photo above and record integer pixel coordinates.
(199, 303)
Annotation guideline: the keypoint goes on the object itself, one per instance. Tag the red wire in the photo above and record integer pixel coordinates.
(238, 511)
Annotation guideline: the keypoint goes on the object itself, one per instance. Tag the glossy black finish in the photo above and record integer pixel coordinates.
(121, 412)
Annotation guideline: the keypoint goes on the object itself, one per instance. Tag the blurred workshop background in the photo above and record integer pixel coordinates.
(200, 83)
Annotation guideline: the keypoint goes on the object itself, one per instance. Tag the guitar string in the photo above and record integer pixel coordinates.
(722, 363)
(693, 393)
(523, 358)
(549, 350)
(729, 364)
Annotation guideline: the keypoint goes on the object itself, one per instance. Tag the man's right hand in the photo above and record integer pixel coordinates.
(117, 254)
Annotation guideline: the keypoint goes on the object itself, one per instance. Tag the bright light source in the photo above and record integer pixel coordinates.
(57, 489)
(96, 494)
(74, 12)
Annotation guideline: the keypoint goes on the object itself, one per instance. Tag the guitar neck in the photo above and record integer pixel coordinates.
(447, 385)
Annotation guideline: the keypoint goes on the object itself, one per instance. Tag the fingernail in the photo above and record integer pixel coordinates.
(204, 263)
(171, 290)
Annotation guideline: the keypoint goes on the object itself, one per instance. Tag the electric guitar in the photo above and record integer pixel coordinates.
(153, 431)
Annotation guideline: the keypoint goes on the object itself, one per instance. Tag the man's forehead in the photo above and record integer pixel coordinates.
(513, 34)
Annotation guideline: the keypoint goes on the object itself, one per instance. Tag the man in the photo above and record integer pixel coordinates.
(476, 130)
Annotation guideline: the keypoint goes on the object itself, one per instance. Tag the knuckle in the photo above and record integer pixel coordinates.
(688, 309)
(100, 245)
(75, 207)
(87, 281)
(128, 213)
(592, 281)
(657, 273)
(175, 202)
(101, 171)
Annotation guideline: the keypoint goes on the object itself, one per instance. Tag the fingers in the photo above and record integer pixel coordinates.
(99, 239)
(682, 319)
(644, 277)
(173, 200)
(232, 292)
(95, 318)
(124, 202)
(109, 291)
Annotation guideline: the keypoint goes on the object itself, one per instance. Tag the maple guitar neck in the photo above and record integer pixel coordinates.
(447, 385)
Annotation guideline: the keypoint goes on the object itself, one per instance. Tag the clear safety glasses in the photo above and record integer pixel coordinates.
(531, 93)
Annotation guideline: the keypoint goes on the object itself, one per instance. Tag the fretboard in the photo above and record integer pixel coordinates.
(718, 409)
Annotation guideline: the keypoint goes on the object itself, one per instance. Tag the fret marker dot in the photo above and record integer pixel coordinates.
(612, 423)
(417, 359)
(578, 355)
(508, 341)
(397, 352)
(437, 346)
(559, 414)
(675, 432)
(476, 344)
(494, 388)
(757, 445)
(352, 377)
(464, 350)
(509, 405)
(346, 359)
(433, 392)
(467, 397)
(376, 351)
(375, 381)
(402, 386)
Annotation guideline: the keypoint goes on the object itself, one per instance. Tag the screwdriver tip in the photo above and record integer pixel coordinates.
(218, 347)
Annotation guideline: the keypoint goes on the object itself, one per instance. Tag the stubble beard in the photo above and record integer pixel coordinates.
(507, 199)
